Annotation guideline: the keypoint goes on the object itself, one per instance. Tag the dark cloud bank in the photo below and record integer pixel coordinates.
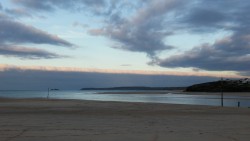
(14, 79)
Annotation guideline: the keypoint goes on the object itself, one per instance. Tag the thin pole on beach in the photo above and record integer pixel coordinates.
(48, 94)
(222, 95)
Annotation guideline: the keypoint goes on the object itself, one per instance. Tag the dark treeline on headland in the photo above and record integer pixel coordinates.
(241, 85)
(137, 88)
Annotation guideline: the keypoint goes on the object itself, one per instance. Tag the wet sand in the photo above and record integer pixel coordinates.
(66, 120)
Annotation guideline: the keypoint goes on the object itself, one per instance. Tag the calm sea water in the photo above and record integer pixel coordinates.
(212, 100)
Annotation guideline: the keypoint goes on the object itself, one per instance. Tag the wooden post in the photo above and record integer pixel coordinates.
(238, 104)
(222, 95)
(48, 94)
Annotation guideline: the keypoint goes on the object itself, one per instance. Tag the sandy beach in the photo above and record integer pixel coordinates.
(75, 120)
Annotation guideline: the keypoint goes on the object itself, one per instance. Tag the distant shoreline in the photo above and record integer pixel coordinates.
(137, 88)
(243, 94)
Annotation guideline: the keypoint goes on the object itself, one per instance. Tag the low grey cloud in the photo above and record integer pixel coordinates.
(92, 7)
(14, 79)
(14, 33)
(37, 5)
(149, 23)
(231, 52)
(51, 5)
(142, 32)
(27, 52)
(209, 13)
(208, 57)
(203, 20)
(244, 73)
(126, 65)
(78, 24)
(18, 13)
(1, 7)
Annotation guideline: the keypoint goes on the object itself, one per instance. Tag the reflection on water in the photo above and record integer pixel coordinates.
(213, 100)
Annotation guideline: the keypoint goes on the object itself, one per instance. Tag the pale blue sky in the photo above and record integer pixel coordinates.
(194, 37)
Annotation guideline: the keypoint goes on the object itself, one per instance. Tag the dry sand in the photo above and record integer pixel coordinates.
(72, 120)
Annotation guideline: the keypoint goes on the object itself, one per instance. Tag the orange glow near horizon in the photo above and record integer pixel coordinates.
(4, 67)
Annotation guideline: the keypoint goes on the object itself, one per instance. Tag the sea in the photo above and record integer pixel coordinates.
(168, 97)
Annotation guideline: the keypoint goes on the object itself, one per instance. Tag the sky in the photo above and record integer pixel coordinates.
(72, 44)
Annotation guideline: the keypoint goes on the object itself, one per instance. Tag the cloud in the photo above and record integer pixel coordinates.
(16, 79)
(96, 32)
(18, 12)
(16, 32)
(244, 73)
(208, 57)
(126, 65)
(218, 15)
(231, 52)
(1, 7)
(37, 5)
(77, 24)
(201, 18)
(52, 5)
(27, 53)
(144, 31)
(144, 26)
